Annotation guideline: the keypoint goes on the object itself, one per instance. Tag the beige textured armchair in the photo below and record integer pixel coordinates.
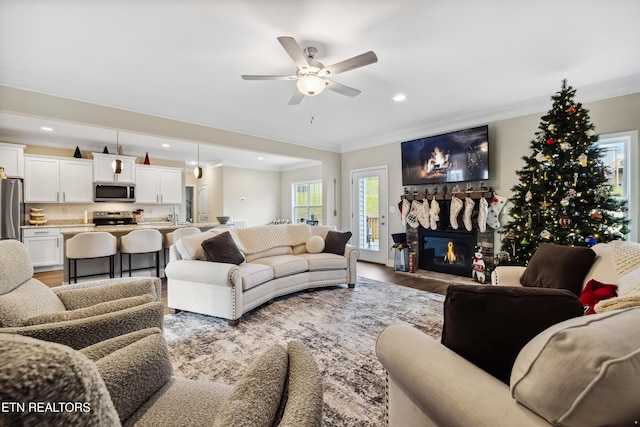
(128, 380)
(76, 315)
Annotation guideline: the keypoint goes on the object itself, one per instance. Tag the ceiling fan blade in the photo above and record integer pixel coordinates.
(260, 77)
(296, 98)
(342, 89)
(351, 63)
(293, 49)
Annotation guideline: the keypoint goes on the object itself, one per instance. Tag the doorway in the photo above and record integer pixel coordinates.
(188, 202)
(368, 213)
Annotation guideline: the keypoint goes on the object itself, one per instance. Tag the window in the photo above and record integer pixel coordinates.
(619, 153)
(307, 201)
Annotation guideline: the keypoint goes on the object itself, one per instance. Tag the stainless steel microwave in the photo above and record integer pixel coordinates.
(114, 192)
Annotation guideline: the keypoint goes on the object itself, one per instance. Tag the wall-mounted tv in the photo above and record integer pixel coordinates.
(452, 157)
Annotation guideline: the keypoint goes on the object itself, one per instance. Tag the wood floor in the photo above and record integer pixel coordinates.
(436, 283)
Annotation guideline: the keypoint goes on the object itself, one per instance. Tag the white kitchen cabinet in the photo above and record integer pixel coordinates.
(158, 185)
(58, 180)
(103, 168)
(44, 245)
(12, 159)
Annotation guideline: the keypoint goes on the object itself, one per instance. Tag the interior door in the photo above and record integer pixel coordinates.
(368, 213)
(203, 203)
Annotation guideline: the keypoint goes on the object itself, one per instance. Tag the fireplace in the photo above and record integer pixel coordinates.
(448, 251)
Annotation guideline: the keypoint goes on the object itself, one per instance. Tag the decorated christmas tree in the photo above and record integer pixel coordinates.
(564, 195)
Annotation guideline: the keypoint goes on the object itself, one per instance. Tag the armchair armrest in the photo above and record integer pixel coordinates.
(86, 294)
(351, 253)
(428, 381)
(80, 333)
(507, 275)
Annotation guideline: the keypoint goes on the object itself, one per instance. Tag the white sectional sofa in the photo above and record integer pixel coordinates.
(276, 260)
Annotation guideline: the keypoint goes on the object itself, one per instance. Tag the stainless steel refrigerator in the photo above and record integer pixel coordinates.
(11, 208)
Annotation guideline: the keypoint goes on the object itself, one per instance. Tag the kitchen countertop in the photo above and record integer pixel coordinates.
(165, 225)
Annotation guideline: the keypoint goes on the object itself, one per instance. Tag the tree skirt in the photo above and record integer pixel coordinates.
(340, 327)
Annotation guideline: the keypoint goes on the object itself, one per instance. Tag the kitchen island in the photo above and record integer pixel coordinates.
(143, 263)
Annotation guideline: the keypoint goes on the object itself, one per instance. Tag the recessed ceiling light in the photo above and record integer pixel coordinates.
(166, 145)
(193, 163)
(399, 97)
(260, 158)
(47, 128)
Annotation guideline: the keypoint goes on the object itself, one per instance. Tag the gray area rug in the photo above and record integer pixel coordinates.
(339, 325)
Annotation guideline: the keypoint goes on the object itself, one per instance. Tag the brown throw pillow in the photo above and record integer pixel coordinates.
(489, 325)
(559, 267)
(222, 248)
(335, 242)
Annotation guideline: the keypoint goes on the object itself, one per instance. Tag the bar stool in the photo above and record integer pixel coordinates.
(175, 235)
(141, 242)
(91, 245)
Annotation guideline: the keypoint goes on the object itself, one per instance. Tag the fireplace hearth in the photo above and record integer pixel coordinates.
(448, 251)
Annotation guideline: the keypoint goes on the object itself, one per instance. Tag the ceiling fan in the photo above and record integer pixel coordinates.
(311, 75)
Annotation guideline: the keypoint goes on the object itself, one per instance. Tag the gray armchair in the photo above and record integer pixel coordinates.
(76, 315)
(128, 380)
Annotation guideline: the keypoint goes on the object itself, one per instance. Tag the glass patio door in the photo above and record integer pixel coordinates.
(368, 214)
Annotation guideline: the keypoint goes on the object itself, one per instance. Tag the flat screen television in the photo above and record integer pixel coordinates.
(451, 157)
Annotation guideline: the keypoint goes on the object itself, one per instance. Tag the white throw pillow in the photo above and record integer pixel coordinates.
(583, 371)
(315, 244)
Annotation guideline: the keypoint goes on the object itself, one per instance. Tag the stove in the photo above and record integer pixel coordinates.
(113, 218)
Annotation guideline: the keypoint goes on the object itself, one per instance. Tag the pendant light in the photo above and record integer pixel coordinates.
(117, 163)
(197, 171)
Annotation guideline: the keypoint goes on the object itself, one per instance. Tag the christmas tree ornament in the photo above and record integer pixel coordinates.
(528, 196)
(468, 210)
(591, 240)
(483, 210)
(596, 215)
(524, 241)
(575, 179)
(582, 159)
(545, 234)
(551, 127)
(571, 110)
(624, 229)
(454, 211)
(550, 141)
(564, 221)
(564, 203)
(571, 193)
(590, 133)
(565, 146)
(544, 205)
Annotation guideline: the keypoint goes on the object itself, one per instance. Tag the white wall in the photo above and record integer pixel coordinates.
(251, 194)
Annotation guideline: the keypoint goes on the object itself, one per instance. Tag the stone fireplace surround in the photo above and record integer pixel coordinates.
(430, 257)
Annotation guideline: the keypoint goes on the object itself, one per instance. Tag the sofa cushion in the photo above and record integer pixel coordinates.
(489, 325)
(325, 261)
(32, 298)
(255, 399)
(558, 266)
(314, 245)
(222, 248)
(252, 240)
(284, 265)
(254, 274)
(336, 241)
(583, 371)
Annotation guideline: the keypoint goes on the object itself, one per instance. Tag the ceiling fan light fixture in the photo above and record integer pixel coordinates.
(311, 85)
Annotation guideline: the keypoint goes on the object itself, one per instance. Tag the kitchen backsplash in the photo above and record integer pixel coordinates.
(71, 214)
